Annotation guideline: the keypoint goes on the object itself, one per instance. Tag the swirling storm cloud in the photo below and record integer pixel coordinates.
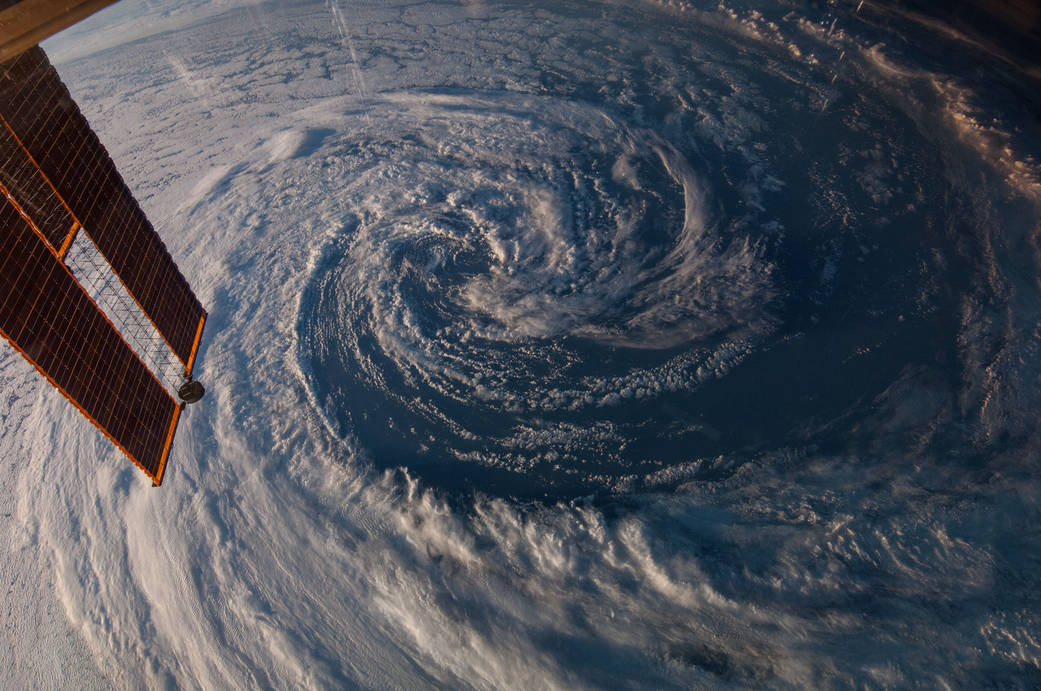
(557, 345)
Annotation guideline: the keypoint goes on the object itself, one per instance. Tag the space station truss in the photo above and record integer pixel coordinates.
(88, 292)
(24, 23)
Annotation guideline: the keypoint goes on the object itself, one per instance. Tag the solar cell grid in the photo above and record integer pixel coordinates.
(46, 120)
(47, 315)
(28, 188)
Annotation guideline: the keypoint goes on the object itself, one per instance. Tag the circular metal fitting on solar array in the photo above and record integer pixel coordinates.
(191, 391)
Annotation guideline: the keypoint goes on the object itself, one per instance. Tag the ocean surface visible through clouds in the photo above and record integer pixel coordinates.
(560, 344)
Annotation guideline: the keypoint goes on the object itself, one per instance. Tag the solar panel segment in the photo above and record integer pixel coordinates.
(57, 180)
(48, 316)
(42, 117)
(23, 183)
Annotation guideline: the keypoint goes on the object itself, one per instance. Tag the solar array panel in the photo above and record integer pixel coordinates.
(41, 117)
(24, 185)
(56, 181)
(47, 315)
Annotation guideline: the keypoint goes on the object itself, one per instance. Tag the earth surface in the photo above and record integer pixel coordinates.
(559, 345)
